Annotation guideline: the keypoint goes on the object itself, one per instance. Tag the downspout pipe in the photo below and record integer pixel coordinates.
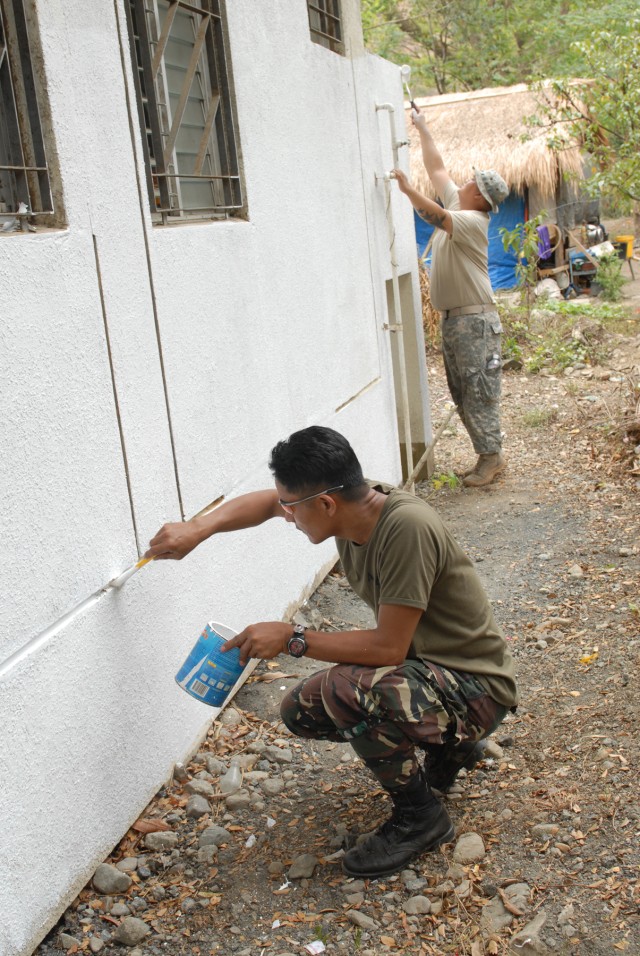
(397, 327)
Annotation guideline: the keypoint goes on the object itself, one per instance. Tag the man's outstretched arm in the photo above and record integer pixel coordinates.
(177, 539)
(431, 157)
(426, 208)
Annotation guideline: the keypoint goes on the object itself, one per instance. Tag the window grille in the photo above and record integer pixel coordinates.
(325, 25)
(24, 175)
(184, 104)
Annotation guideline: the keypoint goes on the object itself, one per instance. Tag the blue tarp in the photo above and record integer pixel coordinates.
(501, 264)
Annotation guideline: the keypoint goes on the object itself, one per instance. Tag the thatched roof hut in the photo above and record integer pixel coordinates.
(487, 129)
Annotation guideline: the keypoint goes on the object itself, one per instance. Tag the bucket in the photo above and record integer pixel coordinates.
(628, 243)
(208, 674)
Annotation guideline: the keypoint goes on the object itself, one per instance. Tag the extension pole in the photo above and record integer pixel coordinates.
(416, 471)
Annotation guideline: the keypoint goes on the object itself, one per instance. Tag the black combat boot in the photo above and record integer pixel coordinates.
(418, 823)
(445, 761)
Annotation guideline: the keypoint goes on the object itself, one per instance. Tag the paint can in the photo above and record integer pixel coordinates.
(208, 674)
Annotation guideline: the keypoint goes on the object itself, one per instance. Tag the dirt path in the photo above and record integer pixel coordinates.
(556, 543)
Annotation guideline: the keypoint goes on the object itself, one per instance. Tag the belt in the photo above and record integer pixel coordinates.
(467, 310)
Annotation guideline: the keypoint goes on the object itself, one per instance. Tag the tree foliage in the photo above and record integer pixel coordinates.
(470, 44)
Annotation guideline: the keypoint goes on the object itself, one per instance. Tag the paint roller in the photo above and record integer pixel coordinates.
(405, 73)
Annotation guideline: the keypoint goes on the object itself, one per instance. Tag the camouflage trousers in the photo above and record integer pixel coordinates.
(386, 712)
(468, 344)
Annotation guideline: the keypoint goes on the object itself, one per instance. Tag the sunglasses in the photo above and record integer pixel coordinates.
(288, 506)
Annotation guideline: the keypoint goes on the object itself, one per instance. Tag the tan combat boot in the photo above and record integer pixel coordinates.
(487, 467)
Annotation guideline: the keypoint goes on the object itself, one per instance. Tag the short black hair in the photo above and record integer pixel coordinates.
(317, 457)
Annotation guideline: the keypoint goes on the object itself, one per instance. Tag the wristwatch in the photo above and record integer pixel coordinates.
(296, 645)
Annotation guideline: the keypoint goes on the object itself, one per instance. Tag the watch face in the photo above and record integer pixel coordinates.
(297, 646)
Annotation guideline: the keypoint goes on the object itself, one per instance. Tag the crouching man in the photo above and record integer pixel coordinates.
(434, 674)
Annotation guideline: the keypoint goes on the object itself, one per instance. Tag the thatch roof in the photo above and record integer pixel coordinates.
(485, 129)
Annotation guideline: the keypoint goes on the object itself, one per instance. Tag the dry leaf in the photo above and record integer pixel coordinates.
(388, 941)
(148, 825)
(477, 949)
(508, 905)
(274, 675)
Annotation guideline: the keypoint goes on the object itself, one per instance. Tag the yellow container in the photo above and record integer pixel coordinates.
(628, 241)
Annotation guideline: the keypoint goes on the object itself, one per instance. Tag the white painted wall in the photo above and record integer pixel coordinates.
(266, 326)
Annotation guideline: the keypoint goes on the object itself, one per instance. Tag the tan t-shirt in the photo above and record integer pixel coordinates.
(412, 559)
(459, 265)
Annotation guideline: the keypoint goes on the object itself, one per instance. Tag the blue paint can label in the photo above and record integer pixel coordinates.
(208, 674)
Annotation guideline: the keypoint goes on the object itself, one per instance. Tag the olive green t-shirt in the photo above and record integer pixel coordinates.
(459, 270)
(411, 559)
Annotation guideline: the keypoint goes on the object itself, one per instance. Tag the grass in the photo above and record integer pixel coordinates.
(444, 480)
(538, 417)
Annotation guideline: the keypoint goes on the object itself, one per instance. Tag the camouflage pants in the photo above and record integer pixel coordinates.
(385, 712)
(468, 343)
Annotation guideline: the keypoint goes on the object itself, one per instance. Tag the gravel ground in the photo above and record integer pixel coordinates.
(546, 857)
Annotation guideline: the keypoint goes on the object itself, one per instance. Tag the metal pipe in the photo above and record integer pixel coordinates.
(397, 327)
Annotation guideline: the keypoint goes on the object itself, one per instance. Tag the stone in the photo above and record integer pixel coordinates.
(238, 801)
(361, 920)
(180, 772)
(278, 754)
(131, 931)
(354, 886)
(216, 766)
(207, 854)
(417, 906)
(492, 749)
(469, 848)
(96, 945)
(544, 831)
(109, 879)
(201, 787)
(303, 867)
(161, 841)
(527, 940)
(230, 717)
(272, 787)
(128, 865)
(119, 909)
(67, 941)
(214, 835)
(197, 807)
(495, 917)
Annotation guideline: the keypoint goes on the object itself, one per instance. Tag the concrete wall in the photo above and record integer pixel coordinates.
(262, 326)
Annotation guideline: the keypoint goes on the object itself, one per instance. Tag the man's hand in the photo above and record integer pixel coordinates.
(262, 641)
(174, 541)
(403, 181)
(418, 119)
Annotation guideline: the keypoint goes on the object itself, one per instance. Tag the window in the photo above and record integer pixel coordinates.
(24, 176)
(182, 83)
(324, 23)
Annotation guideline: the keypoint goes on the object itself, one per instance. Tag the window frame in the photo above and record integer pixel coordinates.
(27, 172)
(328, 32)
(160, 130)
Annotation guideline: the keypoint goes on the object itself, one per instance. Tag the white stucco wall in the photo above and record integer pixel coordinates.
(266, 326)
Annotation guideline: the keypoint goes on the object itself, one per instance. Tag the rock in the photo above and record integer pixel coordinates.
(214, 835)
(417, 906)
(495, 917)
(207, 854)
(544, 831)
(109, 879)
(215, 766)
(518, 895)
(355, 886)
(361, 920)
(67, 941)
(119, 909)
(131, 931)
(247, 761)
(302, 867)
(161, 841)
(566, 915)
(455, 872)
(355, 899)
(180, 772)
(96, 945)
(436, 907)
(197, 807)
(230, 717)
(278, 754)
(128, 865)
(575, 571)
(469, 848)
(200, 787)
(238, 801)
(272, 787)
(463, 890)
(527, 940)
(492, 749)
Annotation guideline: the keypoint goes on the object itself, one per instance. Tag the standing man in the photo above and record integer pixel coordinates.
(462, 293)
(434, 673)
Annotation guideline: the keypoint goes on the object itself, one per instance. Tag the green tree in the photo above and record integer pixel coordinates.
(603, 112)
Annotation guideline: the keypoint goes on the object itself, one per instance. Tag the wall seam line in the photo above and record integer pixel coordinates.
(152, 290)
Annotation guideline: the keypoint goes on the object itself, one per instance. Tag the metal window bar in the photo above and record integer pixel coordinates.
(325, 24)
(172, 168)
(24, 173)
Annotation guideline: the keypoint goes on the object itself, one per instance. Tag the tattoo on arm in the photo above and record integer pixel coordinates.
(436, 219)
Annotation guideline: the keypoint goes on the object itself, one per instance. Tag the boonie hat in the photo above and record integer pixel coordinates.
(492, 186)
